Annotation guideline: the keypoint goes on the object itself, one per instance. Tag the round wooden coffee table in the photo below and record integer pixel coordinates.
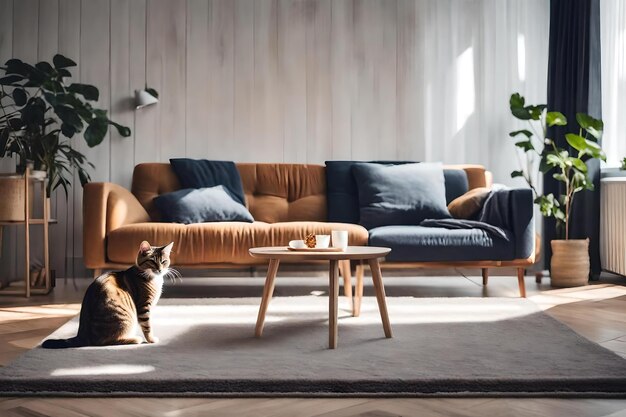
(371, 254)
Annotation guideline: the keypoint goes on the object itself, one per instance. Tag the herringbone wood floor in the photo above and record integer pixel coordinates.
(598, 312)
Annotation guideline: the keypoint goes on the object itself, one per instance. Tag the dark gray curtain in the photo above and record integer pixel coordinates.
(574, 87)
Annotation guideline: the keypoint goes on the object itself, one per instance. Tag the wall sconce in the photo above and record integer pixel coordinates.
(145, 97)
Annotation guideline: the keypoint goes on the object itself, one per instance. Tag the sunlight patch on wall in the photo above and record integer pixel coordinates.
(465, 90)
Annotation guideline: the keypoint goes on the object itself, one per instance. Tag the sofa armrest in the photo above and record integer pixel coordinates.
(513, 209)
(106, 206)
(521, 218)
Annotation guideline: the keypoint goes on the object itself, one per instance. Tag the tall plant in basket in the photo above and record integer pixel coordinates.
(541, 154)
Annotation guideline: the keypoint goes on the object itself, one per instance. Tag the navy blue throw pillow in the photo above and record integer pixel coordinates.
(400, 194)
(343, 195)
(214, 204)
(203, 173)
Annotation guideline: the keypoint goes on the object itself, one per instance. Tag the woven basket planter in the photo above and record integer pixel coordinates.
(569, 266)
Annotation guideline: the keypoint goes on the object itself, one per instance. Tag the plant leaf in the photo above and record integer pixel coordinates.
(524, 132)
(52, 85)
(526, 145)
(88, 91)
(554, 160)
(100, 113)
(62, 62)
(64, 73)
(593, 126)
(516, 174)
(579, 164)
(521, 113)
(536, 111)
(19, 96)
(555, 118)
(576, 141)
(95, 132)
(83, 176)
(15, 66)
(68, 130)
(10, 79)
(585, 146)
(69, 116)
(45, 67)
(594, 150)
(517, 101)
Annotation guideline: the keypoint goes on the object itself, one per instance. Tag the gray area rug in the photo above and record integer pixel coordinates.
(441, 346)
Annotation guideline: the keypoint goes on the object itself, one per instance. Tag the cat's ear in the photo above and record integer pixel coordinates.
(144, 247)
(167, 248)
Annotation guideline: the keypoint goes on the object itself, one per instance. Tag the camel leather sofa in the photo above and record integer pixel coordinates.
(287, 202)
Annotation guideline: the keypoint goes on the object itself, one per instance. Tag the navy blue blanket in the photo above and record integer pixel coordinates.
(493, 217)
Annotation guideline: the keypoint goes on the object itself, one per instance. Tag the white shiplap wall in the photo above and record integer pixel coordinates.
(272, 80)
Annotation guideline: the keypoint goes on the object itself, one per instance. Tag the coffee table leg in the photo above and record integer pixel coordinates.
(380, 295)
(268, 290)
(346, 273)
(358, 289)
(333, 297)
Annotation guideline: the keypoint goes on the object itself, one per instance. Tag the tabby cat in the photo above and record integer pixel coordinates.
(115, 302)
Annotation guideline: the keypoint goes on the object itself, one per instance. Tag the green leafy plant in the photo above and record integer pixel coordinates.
(569, 169)
(623, 164)
(40, 114)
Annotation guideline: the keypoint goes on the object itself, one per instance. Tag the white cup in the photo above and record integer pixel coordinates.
(322, 241)
(297, 244)
(340, 239)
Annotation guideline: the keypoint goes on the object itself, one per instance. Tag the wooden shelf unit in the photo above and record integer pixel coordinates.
(13, 289)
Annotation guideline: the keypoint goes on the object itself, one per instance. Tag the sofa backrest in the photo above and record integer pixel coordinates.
(274, 192)
(343, 196)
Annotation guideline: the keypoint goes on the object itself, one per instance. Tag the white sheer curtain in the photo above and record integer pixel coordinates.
(613, 39)
(476, 54)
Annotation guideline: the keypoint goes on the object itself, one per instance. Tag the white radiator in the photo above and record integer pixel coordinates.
(613, 224)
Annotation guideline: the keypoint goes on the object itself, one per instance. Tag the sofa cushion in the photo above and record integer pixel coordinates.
(469, 205)
(217, 243)
(400, 194)
(202, 173)
(285, 192)
(190, 205)
(343, 196)
(430, 244)
(274, 192)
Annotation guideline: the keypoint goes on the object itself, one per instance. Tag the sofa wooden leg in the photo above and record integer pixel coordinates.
(96, 273)
(358, 289)
(520, 282)
(344, 268)
(538, 277)
(485, 276)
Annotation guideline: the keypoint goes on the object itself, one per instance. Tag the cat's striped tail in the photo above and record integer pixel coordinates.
(63, 343)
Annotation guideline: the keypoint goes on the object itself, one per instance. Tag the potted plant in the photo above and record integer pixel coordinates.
(570, 257)
(40, 114)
